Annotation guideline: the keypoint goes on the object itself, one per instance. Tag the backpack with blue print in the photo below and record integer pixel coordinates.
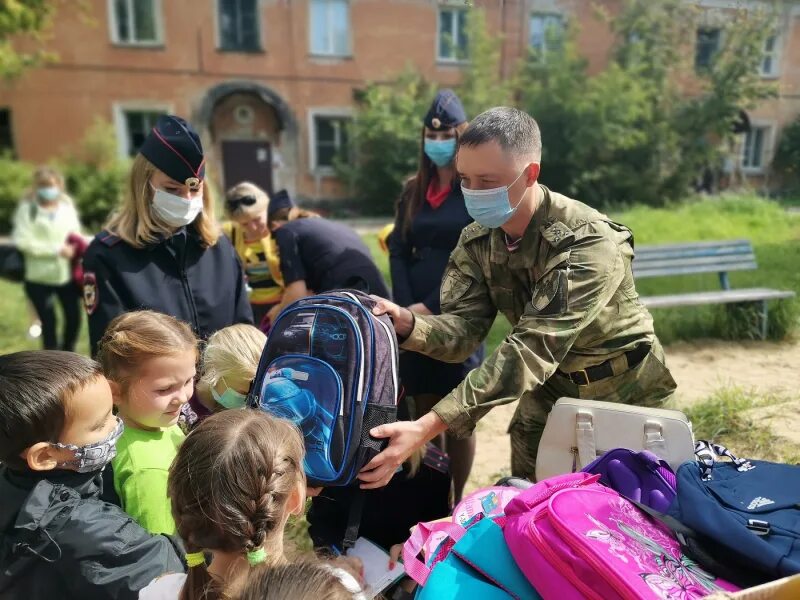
(331, 366)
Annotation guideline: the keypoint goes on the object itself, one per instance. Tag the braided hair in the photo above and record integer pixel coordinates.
(229, 486)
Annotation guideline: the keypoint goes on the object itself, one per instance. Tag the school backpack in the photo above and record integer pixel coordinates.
(747, 510)
(467, 557)
(331, 367)
(576, 539)
(638, 476)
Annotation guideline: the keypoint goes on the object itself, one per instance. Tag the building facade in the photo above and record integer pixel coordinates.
(270, 84)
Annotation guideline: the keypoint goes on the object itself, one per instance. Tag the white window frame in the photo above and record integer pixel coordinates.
(331, 53)
(313, 113)
(720, 44)
(545, 15)
(121, 126)
(218, 30)
(447, 59)
(158, 13)
(766, 148)
(776, 58)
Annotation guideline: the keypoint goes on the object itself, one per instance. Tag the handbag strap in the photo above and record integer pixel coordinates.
(415, 568)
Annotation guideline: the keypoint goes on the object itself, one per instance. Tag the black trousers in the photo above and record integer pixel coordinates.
(43, 298)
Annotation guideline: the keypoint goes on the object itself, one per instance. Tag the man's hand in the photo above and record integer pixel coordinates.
(401, 317)
(420, 308)
(404, 438)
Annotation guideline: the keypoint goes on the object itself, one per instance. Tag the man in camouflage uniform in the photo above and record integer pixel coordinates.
(555, 268)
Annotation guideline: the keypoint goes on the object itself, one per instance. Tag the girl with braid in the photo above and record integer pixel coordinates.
(233, 485)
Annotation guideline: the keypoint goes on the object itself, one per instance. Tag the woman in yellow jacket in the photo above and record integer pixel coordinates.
(246, 206)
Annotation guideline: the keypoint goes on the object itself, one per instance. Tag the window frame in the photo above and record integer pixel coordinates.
(343, 113)
(720, 42)
(121, 124)
(334, 54)
(113, 26)
(260, 45)
(545, 15)
(454, 60)
(775, 73)
(767, 148)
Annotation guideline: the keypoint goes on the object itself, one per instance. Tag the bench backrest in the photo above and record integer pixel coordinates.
(696, 257)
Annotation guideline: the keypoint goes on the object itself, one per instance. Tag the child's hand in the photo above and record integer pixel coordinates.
(313, 491)
(394, 555)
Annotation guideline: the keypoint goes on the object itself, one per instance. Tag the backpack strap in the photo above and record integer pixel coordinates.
(707, 454)
(422, 533)
(353, 519)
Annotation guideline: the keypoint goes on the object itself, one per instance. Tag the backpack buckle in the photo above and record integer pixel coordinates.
(758, 527)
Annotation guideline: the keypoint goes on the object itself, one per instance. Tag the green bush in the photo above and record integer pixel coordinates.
(15, 182)
(787, 156)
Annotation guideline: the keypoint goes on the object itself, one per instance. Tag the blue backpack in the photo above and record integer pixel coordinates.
(749, 510)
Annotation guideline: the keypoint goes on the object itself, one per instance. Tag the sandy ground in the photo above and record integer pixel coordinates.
(699, 369)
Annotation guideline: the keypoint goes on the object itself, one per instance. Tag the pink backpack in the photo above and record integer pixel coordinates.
(574, 539)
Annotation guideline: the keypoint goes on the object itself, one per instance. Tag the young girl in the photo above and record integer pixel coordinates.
(234, 483)
(304, 580)
(246, 207)
(149, 359)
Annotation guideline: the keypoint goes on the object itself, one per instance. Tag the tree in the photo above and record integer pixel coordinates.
(22, 24)
(787, 156)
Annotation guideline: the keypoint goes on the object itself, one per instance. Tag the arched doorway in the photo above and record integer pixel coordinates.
(251, 134)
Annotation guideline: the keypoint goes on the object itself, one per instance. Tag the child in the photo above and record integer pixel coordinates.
(57, 539)
(305, 580)
(149, 359)
(234, 483)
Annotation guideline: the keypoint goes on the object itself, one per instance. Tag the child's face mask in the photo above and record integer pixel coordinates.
(92, 457)
(230, 398)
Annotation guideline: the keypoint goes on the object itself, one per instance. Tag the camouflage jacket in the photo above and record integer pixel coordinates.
(568, 290)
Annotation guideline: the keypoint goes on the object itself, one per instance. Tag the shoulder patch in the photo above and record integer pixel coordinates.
(474, 231)
(557, 234)
(90, 294)
(108, 239)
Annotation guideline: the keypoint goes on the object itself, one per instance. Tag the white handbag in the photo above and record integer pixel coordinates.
(578, 431)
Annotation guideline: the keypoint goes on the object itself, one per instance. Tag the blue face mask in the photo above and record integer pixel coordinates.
(229, 398)
(490, 208)
(441, 152)
(48, 194)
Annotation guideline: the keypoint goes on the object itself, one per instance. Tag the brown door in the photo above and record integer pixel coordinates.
(247, 161)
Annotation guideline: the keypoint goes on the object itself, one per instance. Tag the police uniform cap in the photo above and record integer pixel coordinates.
(174, 147)
(278, 201)
(445, 112)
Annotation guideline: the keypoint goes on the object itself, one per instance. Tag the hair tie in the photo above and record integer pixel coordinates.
(256, 557)
(195, 559)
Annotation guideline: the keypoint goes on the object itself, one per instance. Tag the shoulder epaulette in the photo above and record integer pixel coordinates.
(473, 231)
(557, 234)
(108, 239)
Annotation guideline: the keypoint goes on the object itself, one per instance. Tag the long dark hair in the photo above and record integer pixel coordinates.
(413, 194)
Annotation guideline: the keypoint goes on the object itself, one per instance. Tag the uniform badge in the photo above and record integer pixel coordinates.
(90, 293)
(193, 183)
(436, 123)
(550, 295)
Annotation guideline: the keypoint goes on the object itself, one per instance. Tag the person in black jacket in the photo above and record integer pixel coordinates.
(162, 249)
(430, 217)
(318, 255)
(57, 538)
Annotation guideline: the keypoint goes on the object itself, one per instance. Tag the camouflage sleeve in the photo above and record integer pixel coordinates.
(565, 300)
(467, 313)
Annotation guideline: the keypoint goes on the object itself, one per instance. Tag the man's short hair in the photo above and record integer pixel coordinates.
(517, 132)
(34, 386)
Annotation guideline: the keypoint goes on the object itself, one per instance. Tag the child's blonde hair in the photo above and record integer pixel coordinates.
(134, 222)
(136, 336)
(232, 354)
(302, 580)
(241, 190)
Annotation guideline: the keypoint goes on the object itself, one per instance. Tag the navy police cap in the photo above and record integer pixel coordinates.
(278, 201)
(445, 112)
(174, 147)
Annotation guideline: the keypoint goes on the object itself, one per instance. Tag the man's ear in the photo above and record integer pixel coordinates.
(43, 456)
(532, 174)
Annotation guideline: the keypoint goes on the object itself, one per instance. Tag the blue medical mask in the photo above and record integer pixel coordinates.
(441, 152)
(490, 208)
(48, 194)
(229, 398)
(93, 457)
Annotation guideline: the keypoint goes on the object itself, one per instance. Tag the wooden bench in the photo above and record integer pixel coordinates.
(704, 257)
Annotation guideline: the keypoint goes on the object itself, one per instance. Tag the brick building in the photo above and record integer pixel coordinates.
(269, 83)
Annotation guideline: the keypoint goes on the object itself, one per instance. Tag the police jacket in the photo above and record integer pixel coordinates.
(178, 276)
(59, 540)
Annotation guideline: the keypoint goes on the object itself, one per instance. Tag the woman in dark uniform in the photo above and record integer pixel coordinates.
(161, 249)
(429, 220)
(318, 255)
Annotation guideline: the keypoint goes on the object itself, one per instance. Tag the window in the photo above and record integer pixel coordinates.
(6, 138)
(546, 33)
(136, 22)
(329, 139)
(452, 42)
(754, 146)
(769, 60)
(239, 25)
(706, 48)
(330, 27)
(137, 124)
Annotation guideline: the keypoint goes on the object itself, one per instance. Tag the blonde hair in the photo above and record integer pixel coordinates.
(232, 354)
(300, 580)
(240, 190)
(136, 336)
(46, 173)
(135, 223)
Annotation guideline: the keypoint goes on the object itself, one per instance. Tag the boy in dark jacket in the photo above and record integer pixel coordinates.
(57, 538)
